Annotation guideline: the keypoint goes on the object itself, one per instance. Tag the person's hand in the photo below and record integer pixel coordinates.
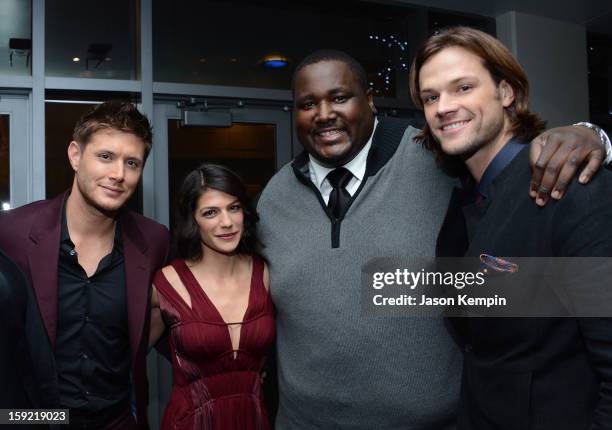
(555, 157)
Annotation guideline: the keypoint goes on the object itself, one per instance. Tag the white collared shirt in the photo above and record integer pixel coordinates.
(357, 166)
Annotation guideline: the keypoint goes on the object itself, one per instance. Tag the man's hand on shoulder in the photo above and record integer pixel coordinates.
(555, 157)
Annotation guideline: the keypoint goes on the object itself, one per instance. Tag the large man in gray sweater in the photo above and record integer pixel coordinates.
(338, 369)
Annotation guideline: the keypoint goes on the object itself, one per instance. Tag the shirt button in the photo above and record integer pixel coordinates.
(85, 356)
(87, 319)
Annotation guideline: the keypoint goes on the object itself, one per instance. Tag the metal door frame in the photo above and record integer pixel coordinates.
(21, 172)
(155, 178)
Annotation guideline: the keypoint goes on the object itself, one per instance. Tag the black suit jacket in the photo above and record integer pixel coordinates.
(533, 373)
(18, 389)
(21, 332)
(30, 235)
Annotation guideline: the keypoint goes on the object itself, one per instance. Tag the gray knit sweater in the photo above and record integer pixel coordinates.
(337, 368)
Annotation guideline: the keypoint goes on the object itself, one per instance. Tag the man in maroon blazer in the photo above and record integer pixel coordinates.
(90, 262)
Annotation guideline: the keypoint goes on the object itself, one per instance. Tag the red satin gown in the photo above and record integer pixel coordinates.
(215, 386)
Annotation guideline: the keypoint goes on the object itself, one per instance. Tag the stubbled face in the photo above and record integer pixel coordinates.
(334, 116)
(463, 106)
(221, 221)
(107, 169)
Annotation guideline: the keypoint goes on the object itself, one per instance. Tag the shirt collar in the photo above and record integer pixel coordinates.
(65, 235)
(357, 166)
(499, 163)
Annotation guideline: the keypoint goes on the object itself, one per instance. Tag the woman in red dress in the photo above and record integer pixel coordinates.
(214, 303)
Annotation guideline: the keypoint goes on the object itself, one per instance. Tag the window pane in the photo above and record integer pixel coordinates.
(15, 37)
(599, 54)
(224, 43)
(91, 39)
(5, 190)
(248, 149)
(59, 123)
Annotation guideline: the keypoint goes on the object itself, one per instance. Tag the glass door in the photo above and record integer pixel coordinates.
(255, 142)
(16, 187)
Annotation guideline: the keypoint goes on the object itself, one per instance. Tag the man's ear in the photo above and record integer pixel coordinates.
(370, 96)
(74, 155)
(506, 93)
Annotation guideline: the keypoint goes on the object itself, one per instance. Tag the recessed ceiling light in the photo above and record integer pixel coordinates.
(275, 61)
(202, 60)
(76, 59)
(108, 59)
(233, 60)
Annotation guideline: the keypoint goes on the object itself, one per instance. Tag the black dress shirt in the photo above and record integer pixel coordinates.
(453, 237)
(92, 347)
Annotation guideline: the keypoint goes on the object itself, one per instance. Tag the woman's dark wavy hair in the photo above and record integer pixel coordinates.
(500, 63)
(211, 176)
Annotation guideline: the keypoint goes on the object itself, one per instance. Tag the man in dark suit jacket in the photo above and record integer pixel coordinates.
(19, 389)
(531, 373)
(90, 262)
(22, 375)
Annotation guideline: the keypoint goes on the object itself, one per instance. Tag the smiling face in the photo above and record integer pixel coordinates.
(221, 221)
(463, 105)
(334, 116)
(107, 169)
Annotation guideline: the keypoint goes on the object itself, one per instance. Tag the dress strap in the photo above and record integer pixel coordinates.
(258, 267)
(167, 292)
(184, 274)
(188, 279)
(197, 295)
(262, 302)
(201, 304)
(257, 285)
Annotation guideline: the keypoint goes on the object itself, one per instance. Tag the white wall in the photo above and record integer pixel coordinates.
(554, 55)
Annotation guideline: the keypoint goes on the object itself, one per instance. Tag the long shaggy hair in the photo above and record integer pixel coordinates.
(500, 63)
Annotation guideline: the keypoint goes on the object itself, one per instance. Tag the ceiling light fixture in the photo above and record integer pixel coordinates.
(275, 61)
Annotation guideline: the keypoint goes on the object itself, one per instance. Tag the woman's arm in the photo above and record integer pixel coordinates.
(157, 323)
(266, 277)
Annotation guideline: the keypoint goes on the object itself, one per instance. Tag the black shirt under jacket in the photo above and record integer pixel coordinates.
(92, 348)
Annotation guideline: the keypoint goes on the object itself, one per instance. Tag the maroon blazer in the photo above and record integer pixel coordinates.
(30, 235)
